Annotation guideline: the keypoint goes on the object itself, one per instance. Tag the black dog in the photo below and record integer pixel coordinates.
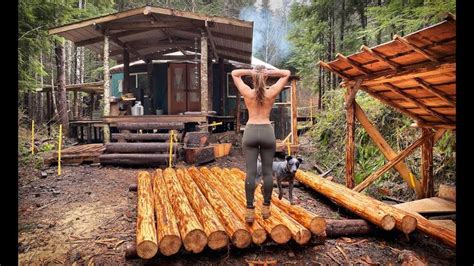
(283, 171)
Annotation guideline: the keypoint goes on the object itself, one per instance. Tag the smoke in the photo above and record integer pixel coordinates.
(270, 32)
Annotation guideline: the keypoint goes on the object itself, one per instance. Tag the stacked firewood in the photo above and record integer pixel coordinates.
(194, 208)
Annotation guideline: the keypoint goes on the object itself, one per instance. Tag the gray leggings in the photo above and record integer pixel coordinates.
(259, 138)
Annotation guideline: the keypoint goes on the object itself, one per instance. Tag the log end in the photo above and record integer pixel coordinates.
(388, 222)
(195, 241)
(409, 224)
(217, 240)
(259, 236)
(302, 237)
(280, 234)
(131, 251)
(241, 238)
(318, 225)
(147, 249)
(170, 245)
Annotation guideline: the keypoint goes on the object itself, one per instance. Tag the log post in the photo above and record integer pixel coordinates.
(235, 228)
(294, 113)
(350, 130)
(216, 235)
(204, 76)
(192, 233)
(106, 99)
(147, 243)
(167, 230)
(427, 164)
(75, 112)
(126, 71)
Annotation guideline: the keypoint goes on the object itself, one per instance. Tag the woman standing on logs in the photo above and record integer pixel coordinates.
(259, 136)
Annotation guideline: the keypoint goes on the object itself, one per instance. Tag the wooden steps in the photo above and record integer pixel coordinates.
(133, 147)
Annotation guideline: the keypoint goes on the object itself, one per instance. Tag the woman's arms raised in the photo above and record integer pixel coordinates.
(276, 88)
(239, 83)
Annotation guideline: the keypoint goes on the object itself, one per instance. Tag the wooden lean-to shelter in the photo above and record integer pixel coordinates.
(414, 74)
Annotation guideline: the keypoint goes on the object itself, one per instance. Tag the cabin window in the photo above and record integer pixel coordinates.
(231, 89)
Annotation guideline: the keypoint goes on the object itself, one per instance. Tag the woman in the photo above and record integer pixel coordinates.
(259, 136)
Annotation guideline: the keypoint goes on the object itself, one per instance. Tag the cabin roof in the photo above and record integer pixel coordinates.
(149, 32)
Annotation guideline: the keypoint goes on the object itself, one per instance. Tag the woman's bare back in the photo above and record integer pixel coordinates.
(259, 113)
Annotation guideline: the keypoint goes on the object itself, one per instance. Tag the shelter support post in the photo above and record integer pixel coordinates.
(222, 82)
(149, 89)
(350, 130)
(427, 164)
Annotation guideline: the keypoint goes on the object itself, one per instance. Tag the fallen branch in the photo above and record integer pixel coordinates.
(44, 206)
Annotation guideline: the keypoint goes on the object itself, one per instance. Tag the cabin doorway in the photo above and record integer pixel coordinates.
(184, 88)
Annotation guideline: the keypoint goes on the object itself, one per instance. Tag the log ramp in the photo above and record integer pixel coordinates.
(194, 208)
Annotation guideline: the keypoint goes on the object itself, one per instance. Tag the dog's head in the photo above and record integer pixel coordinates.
(292, 164)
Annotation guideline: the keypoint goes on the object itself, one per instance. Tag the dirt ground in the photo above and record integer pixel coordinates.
(87, 215)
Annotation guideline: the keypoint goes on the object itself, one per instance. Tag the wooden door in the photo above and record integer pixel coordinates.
(193, 94)
(177, 83)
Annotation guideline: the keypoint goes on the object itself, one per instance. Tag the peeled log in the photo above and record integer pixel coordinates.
(216, 235)
(191, 231)
(349, 199)
(347, 227)
(234, 227)
(277, 230)
(168, 235)
(299, 233)
(259, 235)
(317, 225)
(147, 243)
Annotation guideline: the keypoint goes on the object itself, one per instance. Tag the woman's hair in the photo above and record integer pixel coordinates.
(259, 83)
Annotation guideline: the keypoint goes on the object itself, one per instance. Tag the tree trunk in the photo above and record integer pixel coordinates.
(361, 205)
(61, 81)
(147, 243)
(343, 25)
(236, 198)
(363, 19)
(168, 235)
(216, 235)
(192, 233)
(379, 34)
(53, 95)
(299, 233)
(235, 228)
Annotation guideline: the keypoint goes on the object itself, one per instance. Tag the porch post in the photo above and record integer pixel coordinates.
(222, 78)
(106, 88)
(149, 90)
(204, 77)
(126, 71)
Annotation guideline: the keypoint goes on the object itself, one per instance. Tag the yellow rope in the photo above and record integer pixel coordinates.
(59, 147)
(171, 148)
(32, 136)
